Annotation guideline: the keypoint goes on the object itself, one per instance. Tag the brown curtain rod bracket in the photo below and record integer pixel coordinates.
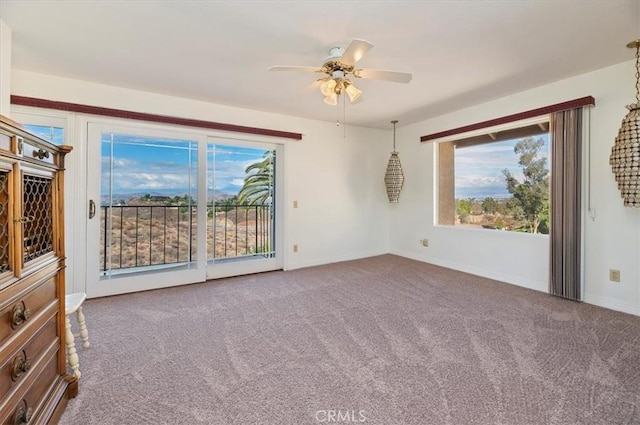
(141, 116)
(545, 110)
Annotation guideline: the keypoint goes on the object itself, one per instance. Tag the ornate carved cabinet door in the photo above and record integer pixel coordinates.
(34, 384)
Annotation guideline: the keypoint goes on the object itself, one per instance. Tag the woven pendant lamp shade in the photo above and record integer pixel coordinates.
(625, 157)
(394, 178)
(625, 154)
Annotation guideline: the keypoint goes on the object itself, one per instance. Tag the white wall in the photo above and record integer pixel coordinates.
(343, 212)
(342, 209)
(612, 239)
(5, 69)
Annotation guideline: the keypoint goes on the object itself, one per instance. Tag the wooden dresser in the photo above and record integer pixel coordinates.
(34, 384)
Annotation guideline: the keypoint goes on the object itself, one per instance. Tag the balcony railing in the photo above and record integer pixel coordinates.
(134, 236)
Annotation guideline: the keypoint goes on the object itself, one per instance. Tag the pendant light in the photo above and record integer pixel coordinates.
(625, 154)
(394, 178)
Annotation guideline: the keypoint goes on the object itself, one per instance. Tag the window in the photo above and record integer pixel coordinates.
(52, 134)
(496, 180)
(52, 126)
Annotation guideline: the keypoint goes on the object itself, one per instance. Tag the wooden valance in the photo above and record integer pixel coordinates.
(141, 116)
(545, 110)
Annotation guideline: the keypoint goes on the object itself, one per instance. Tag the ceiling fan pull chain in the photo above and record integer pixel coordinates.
(344, 117)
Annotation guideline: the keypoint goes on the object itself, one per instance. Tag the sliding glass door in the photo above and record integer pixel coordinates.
(143, 210)
(167, 208)
(242, 215)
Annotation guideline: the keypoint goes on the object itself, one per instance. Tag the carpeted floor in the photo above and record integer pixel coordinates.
(383, 340)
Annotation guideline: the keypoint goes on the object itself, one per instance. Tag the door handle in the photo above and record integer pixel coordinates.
(92, 209)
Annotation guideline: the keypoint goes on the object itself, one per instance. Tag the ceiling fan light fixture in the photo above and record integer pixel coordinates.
(331, 99)
(328, 87)
(340, 65)
(338, 74)
(352, 91)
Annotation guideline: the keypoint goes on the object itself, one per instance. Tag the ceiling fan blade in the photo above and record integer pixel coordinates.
(295, 68)
(378, 74)
(355, 51)
(315, 85)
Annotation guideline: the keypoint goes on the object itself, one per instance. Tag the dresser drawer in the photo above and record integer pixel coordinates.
(5, 142)
(41, 154)
(17, 367)
(28, 405)
(17, 315)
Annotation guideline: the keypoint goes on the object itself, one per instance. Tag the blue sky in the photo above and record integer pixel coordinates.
(52, 134)
(161, 166)
(478, 169)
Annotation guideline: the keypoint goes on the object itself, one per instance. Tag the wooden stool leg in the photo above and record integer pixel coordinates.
(71, 349)
(84, 333)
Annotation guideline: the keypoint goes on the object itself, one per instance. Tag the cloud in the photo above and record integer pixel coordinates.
(144, 164)
(478, 169)
(479, 181)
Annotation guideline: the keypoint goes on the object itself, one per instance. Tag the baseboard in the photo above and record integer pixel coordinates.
(605, 302)
(511, 279)
(292, 265)
(599, 301)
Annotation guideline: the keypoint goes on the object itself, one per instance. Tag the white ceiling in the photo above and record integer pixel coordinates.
(460, 53)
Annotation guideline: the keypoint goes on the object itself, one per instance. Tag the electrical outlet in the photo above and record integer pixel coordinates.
(614, 275)
(295, 204)
(424, 242)
(295, 248)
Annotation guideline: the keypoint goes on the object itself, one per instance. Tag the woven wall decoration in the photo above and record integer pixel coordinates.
(394, 178)
(625, 154)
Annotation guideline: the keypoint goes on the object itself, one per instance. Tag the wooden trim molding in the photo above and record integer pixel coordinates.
(545, 110)
(141, 116)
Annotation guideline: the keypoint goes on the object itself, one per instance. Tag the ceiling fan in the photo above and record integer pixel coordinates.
(341, 64)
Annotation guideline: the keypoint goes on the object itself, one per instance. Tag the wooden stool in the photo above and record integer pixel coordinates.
(73, 304)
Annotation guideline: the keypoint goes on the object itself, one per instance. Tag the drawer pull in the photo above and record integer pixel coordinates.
(23, 415)
(20, 365)
(40, 154)
(20, 315)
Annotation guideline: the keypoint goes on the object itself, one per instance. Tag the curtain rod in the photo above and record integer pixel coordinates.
(142, 116)
(563, 106)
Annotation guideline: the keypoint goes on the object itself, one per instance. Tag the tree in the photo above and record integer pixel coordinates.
(532, 194)
(463, 209)
(512, 208)
(544, 218)
(489, 206)
(227, 202)
(258, 182)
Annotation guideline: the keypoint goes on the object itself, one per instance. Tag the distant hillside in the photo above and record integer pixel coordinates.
(146, 197)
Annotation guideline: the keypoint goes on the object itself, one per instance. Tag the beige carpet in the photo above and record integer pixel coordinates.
(383, 340)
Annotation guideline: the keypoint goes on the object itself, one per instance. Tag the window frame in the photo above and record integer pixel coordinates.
(440, 200)
(31, 116)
